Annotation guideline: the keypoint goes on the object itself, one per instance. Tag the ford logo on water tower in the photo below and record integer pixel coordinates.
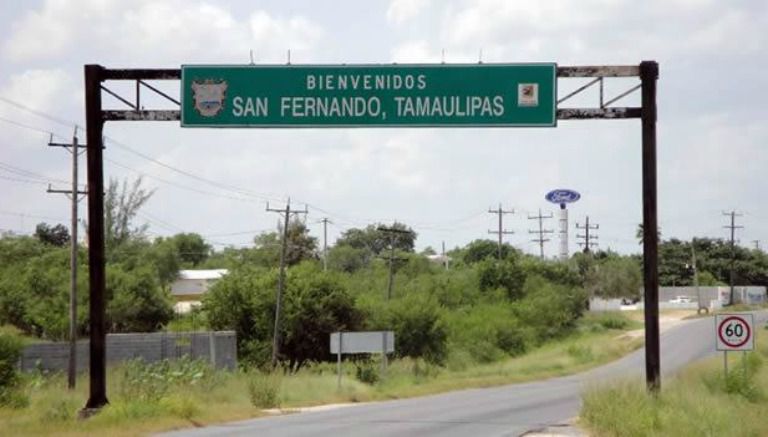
(562, 196)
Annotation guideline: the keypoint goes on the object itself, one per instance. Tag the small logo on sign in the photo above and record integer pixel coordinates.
(528, 94)
(209, 96)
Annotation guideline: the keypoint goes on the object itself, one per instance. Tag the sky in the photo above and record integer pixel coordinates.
(713, 58)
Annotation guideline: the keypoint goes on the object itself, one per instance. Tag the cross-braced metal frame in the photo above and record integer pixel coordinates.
(96, 116)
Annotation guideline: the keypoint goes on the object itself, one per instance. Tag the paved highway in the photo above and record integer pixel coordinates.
(501, 411)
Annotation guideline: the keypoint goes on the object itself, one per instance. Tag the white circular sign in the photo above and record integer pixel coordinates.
(734, 331)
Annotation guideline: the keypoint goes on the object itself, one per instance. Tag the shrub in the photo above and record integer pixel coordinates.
(10, 351)
(506, 275)
(419, 329)
(580, 354)
(740, 380)
(614, 322)
(150, 382)
(549, 310)
(264, 390)
(367, 373)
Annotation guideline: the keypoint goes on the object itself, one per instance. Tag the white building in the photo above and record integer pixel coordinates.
(190, 286)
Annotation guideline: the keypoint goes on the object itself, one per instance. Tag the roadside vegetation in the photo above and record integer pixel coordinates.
(492, 317)
(147, 397)
(700, 400)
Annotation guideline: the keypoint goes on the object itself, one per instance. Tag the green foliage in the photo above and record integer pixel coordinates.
(264, 390)
(10, 352)
(348, 259)
(549, 310)
(713, 257)
(137, 303)
(375, 241)
(698, 401)
(740, 381)
(481, 250)
(191, 247)
(34, 291)
(366, 372)
(57, 235)
(315, 304)
(150, 382)
(419, 329)
(506, 275)
(617, 278)
(121, 205)
(581, 354)
(487, 332)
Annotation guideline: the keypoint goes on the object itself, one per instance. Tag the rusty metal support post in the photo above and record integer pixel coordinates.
(94, 125)
(649, 73)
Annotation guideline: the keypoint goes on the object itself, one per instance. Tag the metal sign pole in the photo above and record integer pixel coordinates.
(649, 73)
(94, 125)
(383, 353)
(338, 361)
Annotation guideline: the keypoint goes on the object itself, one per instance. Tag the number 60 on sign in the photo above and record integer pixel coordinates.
(734, 332)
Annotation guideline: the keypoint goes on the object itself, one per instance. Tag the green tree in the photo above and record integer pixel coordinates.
(480, 250)
(192, 248)
(315, 305)
(347, 258)
(374, 240)
(300, 245)
(57, 235)
(418, 327)
(617, 277)
(506, 275)
(136, 301)
(121, 205)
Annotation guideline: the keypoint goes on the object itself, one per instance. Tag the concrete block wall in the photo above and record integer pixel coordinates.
(219, 348)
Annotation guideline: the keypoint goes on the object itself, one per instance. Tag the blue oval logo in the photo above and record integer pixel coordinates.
(561, 196)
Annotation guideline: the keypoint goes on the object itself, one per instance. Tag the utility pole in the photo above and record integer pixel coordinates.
(696, 276)
(541, 231)
(445, 258)
(501, 232)
(757, 244)
(281, 279)
(393, 232)
(733, 228)
(74, 196)
(325, 222)
(587, 238)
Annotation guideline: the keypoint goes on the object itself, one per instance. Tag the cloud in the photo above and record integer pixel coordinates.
(36, 88)
(162, 32)
(400, 11)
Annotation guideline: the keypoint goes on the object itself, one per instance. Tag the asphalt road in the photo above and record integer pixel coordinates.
(501, 411)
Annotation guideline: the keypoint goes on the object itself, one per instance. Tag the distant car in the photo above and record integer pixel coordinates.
(681, 299)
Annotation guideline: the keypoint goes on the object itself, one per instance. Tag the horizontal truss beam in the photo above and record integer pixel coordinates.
(562, 114)
(562, 72)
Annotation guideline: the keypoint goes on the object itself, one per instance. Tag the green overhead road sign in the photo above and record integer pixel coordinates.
(439, 95)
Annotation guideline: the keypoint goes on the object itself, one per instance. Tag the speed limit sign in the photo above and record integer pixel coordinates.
(734, 332)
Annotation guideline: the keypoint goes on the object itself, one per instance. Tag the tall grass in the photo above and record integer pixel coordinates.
(145, 398)
(701, 401)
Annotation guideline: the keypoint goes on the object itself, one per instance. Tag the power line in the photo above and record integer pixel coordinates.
(281, 279)
(541, 240)
(733, 227)
(587, 243)
(41, 114)
(393, 233)
(74, 194)
(501, 232)
(325, 222)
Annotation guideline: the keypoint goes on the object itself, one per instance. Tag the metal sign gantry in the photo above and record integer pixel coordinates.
(96, 115)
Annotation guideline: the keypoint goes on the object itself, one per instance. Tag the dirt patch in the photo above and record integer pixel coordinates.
(667, 320)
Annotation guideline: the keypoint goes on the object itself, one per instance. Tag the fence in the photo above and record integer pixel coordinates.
(219, 348)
